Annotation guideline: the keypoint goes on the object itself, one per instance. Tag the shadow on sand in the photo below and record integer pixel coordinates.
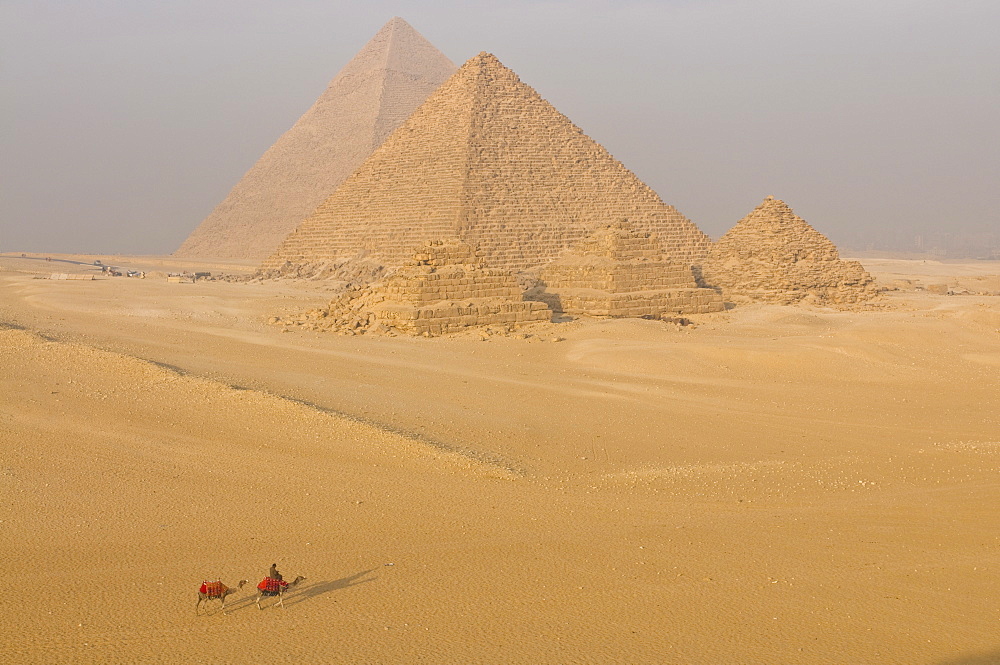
(319, 588)
(233, 604)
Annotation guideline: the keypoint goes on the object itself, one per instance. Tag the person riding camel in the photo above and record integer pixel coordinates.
(273, 573)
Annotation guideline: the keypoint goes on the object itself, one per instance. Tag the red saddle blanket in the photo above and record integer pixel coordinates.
(214, 588)
(272, 585)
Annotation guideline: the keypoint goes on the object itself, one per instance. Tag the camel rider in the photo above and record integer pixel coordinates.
(273, 573)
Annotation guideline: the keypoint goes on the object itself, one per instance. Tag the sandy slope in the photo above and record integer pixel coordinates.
(778, 485)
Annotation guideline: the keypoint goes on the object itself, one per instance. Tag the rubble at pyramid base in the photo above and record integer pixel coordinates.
(352, 271)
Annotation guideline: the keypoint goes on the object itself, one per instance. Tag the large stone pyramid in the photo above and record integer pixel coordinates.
(370, 97)
(487, 160)
(773, 255)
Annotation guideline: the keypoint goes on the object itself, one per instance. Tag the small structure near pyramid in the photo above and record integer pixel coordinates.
(370, 97)
(773, 255)
(444, 288)
(621, 272)
(485, 159)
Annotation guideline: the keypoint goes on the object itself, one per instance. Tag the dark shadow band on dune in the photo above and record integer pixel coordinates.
(170, 368)
(486, 458)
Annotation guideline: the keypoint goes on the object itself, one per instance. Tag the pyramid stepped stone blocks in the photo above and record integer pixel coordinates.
(621, 272)
(485, 159)
(370, 97)
(444, 288)
(772, 255)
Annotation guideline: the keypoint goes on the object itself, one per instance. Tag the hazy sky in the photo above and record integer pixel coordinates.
(126, 121)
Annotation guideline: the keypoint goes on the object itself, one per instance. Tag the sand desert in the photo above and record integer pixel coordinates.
(771, 484)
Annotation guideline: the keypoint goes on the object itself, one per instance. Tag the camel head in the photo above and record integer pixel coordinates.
(240, 585)
(297, 580)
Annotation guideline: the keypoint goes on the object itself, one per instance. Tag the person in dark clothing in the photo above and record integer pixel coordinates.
(273, 573)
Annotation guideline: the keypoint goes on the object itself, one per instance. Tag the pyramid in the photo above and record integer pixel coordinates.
(485, 159)
(442, 289)
(773, 255)
(370, 97)
(620, 272)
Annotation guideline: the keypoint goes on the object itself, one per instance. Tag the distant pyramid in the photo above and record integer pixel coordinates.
(370, 97)
(487, 160)
(773, 255)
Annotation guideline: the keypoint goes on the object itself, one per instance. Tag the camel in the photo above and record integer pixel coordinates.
(210, 590)
(271, 587)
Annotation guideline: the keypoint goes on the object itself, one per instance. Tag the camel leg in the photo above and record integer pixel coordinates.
(281, 600)
(197, 605)
(259, 594)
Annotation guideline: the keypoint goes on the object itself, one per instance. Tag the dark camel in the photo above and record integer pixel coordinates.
(279, 593)
(219, 592)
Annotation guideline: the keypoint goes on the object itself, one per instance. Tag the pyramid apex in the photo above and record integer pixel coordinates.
(396, 21)
(486, 58)
(487, 64)
(397, 27)
(772, 203)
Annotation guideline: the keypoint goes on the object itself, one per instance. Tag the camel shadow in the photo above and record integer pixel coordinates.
(321, 588)
(299, 595)
(237, 604)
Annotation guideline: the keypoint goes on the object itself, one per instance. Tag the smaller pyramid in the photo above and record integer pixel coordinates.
(773, 255)
(369, 98)
(622, 272)
(444, 288)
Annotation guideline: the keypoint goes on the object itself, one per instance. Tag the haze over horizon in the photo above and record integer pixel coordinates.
(126, 123)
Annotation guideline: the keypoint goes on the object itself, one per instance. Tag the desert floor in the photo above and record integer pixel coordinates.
(775, 485)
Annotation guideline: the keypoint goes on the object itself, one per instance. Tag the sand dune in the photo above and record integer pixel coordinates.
(776, 485)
